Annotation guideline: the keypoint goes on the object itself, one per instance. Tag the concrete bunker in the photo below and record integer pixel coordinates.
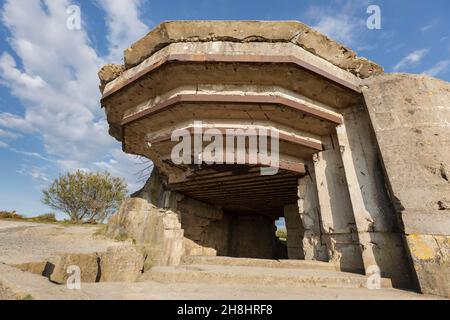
(336, 184)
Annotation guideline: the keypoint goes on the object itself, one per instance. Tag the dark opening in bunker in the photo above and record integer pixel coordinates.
(232, 210)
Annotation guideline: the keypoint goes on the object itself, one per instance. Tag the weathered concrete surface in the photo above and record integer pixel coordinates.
(309, 209)
(122, 264)
(410, 115)
(215, 76)
(157, 230)
(218, 274)
(268, 263)
(89, 264)
(375, 218)
(295, 231)
(108, 73)
(204, 227)
(431, 255)
(216, 51)
(336, 213)
(250, 31)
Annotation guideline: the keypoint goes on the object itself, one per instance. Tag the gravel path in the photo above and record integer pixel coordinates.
(22, 242)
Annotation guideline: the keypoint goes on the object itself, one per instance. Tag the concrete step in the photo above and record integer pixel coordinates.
(266, 263)
(249, 275)
(16, 284)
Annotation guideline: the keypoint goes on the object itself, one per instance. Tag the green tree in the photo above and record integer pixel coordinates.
(84, 196)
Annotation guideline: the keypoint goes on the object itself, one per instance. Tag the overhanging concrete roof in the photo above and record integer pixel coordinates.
(250, 31)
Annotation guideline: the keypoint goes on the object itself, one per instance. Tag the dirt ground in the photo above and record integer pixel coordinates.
(22, 242)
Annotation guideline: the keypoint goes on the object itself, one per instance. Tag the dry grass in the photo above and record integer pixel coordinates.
(281, 234)
(43, 218)
(13, 215)
(101, 230)
(48, 218)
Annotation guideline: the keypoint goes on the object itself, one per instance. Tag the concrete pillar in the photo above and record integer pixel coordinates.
(309, 209)
(363, 219)
(336, 213)
(374, 215)
(295, 232)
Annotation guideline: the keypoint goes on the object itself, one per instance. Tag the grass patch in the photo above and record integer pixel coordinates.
(48, 218)
(101, 230)
(282, 234)
(10, 215)
(43, 218)
(28, 297)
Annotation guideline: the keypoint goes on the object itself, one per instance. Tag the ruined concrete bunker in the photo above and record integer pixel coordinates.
(363, 155)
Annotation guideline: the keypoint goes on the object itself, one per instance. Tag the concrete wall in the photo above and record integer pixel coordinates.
(303, 222)
(252, 236)
(206, 229)
(410, 115)
(295, 231)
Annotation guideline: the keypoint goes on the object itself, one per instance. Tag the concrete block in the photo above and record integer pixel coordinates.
(88, 263)
(121, 264)
(431, 261)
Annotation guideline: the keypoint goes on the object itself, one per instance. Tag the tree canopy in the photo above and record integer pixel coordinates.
(86, 196)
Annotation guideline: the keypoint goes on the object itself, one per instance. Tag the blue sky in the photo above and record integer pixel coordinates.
(50, 117)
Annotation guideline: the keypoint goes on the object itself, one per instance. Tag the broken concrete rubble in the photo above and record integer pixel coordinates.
(121, 264)
(88, 263)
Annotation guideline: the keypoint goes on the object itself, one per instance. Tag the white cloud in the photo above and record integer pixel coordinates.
(8, 68)
(8, 134)
(56, 79)
(124, 25)
(30, 154)
(39, 175)
(410, 60)
(36, 173)
(439, 68)
(11, 121)
(339, 28)
(429, 26)
(345, 25)
(3, 144)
